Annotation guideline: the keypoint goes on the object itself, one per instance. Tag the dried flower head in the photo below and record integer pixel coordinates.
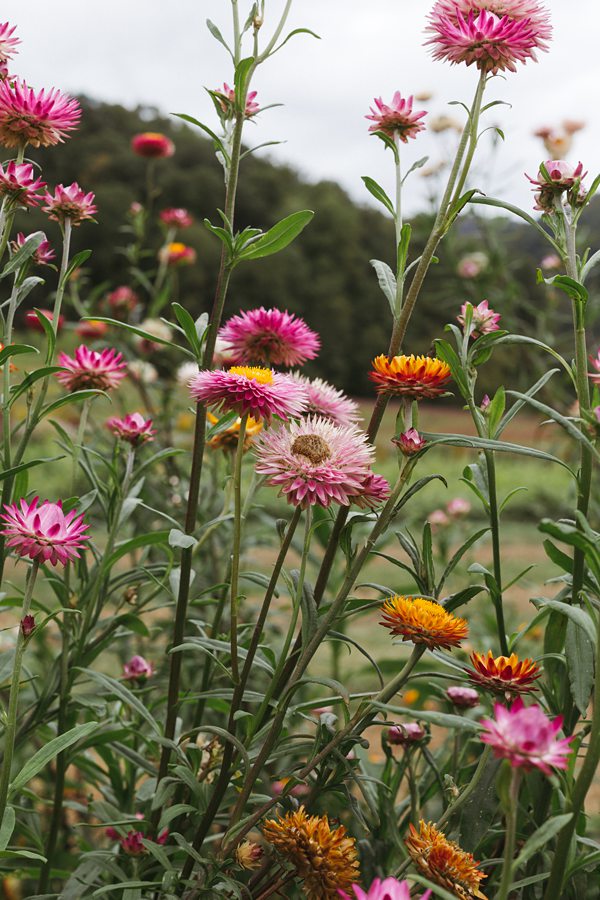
(423, 622)
(443, 862)
(92, 369)
(70, 203)
(152, 145)
(397, 119)
(258, 392)
(506, 675)
(272, 337)
(27, 625)
(526, 737)
(248, 855)
(411, 377)
(43, 531)
(41, 119)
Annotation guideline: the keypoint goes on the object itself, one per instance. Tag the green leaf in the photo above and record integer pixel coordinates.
(189, 327)
(477, 443)
(378, 192)
(15, 350)
(579, 651)
(142, 540)
(75, 397)
(291, 35)
(43, 756)
(577, 615)
(540, 838)
(446, 720)
(139, 331)
(77, 261)
(457, 208)
(7, 827)
(387, 282)
(112, 686)
(30, 380)
(573, 288)
(495, 410)
(449, 355)
(217, 35)
(569, 426)
(216, 140)
(9, 473)
(241, 78)
(279, 236)
(177, 538)
(403, 245)
(31, 244)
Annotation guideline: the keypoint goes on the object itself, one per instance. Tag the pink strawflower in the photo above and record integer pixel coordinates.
(552, 261)
(484, 319)
(27, 625)
(123, 300)
(261, 393)
(152, 145)
(560, 175)
(388, 889)
(526, 737)
(91, 328)
(438, 519)
(396, 119)
(44, 254)
(132, 843)
(472, 265)
(177, 254)
(102, 369)
(19, 184)
(225, 97)
(458, 507)
(595, 361)
(597, 413)
(326, 401)
(176, 217)
(271, 336)
(133, 428)
(493, 42)
(70, 203)
(406, 734)
(462, 697)
(41, 119)
(137, 669)
(374, 491)
(8, 43)
(44, 531)
(299, 790)
(409, 442)
(315, 462)
(532, 10)
(32, 321)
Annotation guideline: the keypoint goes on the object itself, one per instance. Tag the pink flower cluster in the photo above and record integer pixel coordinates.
(43, 531)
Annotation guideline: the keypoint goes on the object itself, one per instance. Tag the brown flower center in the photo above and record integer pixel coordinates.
(312, 447)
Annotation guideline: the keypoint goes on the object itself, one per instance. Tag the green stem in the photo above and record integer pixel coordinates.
(511, 835)
(85, 411)
(473, 126)
(9, 211)
(236, 547)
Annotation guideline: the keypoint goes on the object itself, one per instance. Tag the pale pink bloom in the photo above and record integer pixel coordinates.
(102, 369)
(158, 329)
(597, 413)
(458, 507)
(388, 889)
(152, 145)
(27, 625)
(136, 209)
(462, 697)
(142, 371)
(595, 361)
(32, 321)
(133, 428)
(374, 491)
(176, 217)
(271, 336)
(409, 442)
(572, 126)
(226, 100)
(41, 119)
(552, 261)
(526, 737)
(261, 393)
(397, 118)
(472, 265)
(326, 401)
(44, 531)
(223, 356)
(19, 184)
(8, 43)
(70, 203)
(137, 669)
(484, 320)
(438, 519)
(123, 300)
(44, 254)
(315, 462)
(406, 734)
(561, 176)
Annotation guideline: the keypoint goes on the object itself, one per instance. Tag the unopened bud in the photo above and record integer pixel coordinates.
(27, 625)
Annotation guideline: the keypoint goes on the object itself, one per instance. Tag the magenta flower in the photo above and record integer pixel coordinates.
(8, 43)
(409, 442)
(43, 531)
(374, 491)
(176, 217)
(123, 300)
(132, 843)
(494, 42)
(315, 462)
(526, 737)
(261, 393)
(326, 401)
(462, 697)
(92, 369)
(226, 99)
(31, 320)
(152, 145)
(137, 669)
(44, 254)
(396, 119)
(532, 10)
(70, 203)
(561, 175)
(406, 734)
(595, 361)
(388, 889)
(41, 119)
(273, 337)
(458, 507)
(133, 428)
(484, 319)
(19, 185)
(27, 625)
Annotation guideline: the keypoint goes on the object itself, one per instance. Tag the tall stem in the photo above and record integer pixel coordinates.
(236, 547)
(511, 835)
(83, 420)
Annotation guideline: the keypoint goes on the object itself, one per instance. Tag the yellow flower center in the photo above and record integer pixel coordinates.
(255, 373)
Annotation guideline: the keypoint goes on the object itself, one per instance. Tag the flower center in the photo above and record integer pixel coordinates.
(312, 447)
(254, 373)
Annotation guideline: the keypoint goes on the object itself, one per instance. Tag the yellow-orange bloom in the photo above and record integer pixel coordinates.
(443, 862)
(504, 674)
(412, 377)
(228, 438)
(423, 622)
(325, 857)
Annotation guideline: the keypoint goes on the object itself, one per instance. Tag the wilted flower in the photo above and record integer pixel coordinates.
(272, 337)
(70, 203)
(42, 256)
(327, 401)
(388, 889)
(248, 855)
(8, 43)
(19, 185)
(411, 377)
(123, 300)
(225, 97)
(177, 254)
(152, 145)
(504, 675)
(484, 320)
(409, 442)
(43, 531)
(396, 119)
(228, 438)
(526, 737)
(472, 265)
(258, 392)
(325, 858)
(458, 507)
(443, 862)
(92, 369)
(137, 669)
(31, 320)
(423, 622)
(595, 361)
(462, 697)
(41, 119)
(406, 734)
(176, 217)
(158, 329)
(91, 328)
(133, 428)
(27, 625)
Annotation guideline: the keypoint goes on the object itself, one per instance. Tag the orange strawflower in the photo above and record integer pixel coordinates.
(412, 377)
(423, 622)
(325, 858)
(443, 861)
(504, 674)
(228, 438)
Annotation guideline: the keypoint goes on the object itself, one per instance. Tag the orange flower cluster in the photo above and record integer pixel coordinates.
(503, 674)
(423, 622)
(443, 862)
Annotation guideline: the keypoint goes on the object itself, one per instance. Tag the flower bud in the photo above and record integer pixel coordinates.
(409, 442)
(248, 855)
(406, 734)
(27, 625)
(462, 697)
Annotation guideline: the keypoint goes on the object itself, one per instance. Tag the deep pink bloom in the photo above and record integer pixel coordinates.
(388, 889)
(32, 321)
(27, 625)
(462, 697)
(152, 145)
(176, 217)
(406, 734)
(315, 462)
(70, 203)
(532, 10)
(111, 833)
(41, 119)
(397, 118)
(44, 254)
(595, 361)
(526, 737)
(226, 100)
(492, 41)
(271, 336)
(326, 401)
(133, 428)
(19, 184)
(374, 491)
(92, 369)
(8, 43)
(484, 319)
(123, 300)
(137, 669)
(132, 843)
(458, 507)
(91, 328)
(409, 442)
(43, 531)
(261, 393)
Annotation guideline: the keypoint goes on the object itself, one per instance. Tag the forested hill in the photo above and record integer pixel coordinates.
(325, 275)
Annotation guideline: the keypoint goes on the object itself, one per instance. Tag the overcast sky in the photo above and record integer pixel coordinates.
(160, 53)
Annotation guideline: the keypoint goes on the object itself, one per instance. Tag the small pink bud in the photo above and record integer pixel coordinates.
(458, 507)
(463, 697)
(404, 735)
(409, 442)
(485, 402)
(27, 625)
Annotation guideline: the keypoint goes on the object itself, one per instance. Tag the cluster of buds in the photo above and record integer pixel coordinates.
(558, 182)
